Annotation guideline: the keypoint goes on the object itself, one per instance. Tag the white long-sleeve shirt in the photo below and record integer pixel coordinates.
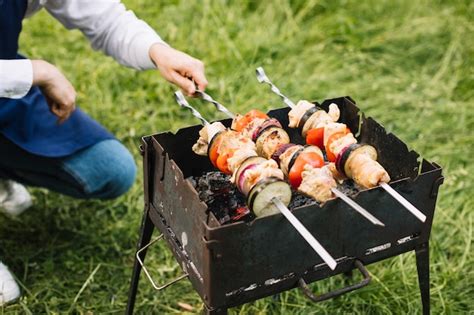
(106, 23)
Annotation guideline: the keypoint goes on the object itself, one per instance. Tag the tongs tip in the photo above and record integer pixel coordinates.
(178, 95)
(261, 76)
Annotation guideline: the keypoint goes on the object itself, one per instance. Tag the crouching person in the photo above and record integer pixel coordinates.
(45, 140)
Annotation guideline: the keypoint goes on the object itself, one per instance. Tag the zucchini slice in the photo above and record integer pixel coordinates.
(261, 195)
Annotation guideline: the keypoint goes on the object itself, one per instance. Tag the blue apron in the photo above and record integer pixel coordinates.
(28, 122)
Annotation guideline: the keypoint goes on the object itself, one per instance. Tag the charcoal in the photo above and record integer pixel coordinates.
(221, 197)
(349, 188)
(300, 200)
(227, 203)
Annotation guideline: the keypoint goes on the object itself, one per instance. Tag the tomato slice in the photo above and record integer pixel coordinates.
(255, 113)
(316, 137)
(330, 155)
(311, 158)
(244, 120)
(213, 154)
(221, 162)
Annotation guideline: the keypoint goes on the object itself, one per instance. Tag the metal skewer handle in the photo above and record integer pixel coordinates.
(206, 97)
(417, 213)
(318, 248)
(181, 100)
(262, 78)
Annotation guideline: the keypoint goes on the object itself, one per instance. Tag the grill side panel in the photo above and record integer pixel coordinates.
(178, 213)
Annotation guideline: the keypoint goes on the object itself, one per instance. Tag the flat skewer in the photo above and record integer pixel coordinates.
(262, 78)
(218, 105)
(417, 213)
(318, 248)
(366, 214)
(181, 100)
(354, 205)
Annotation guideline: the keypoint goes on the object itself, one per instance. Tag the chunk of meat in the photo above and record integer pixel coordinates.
(296, 113)
(269, 140)
(335, 173)
(365, 171)
(233, 141)
(252, 126)
(337, 145)
(317, 183)
(334, 112)
(286, 156)
(238, 157)
(332, 128)
(321, 118)
(268, 168)
(205, 135)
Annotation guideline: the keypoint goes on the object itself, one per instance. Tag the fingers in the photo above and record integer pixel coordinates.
(197, 73)
(58, 91)
(186, 85)
(190, 77)
(62, 107)
(62, 112)
(179, 68)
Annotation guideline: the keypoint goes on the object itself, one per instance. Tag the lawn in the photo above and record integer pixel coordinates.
(408, 64)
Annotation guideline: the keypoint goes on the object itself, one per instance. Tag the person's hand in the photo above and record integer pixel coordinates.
(179, 68)
(59, 92)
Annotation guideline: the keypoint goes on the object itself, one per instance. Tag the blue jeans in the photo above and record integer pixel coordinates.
(105, 170)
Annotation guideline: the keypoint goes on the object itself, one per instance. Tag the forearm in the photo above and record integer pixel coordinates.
(16, 78)
(111, 28)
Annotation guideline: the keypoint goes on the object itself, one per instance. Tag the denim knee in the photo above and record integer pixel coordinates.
(105, 170)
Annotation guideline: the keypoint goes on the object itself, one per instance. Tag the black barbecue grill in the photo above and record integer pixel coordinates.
(229, 265)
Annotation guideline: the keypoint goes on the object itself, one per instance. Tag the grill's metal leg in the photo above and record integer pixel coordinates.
(349, 274)
(215, 311)
(423, 267)
(145, 235)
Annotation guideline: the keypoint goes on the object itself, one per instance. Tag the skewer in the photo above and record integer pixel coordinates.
(417, 213)
(218, 105)
(366, 214)
(318, 248)
(354, 205)
(262, 77)
(181, 100)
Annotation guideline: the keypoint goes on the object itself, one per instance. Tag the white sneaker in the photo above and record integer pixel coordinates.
(9, 290)
(14, 198)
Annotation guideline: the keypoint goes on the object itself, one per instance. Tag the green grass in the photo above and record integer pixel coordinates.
(409, 64)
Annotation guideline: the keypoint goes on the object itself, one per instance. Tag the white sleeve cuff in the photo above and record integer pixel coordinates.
(142, 44)
(16, 78)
